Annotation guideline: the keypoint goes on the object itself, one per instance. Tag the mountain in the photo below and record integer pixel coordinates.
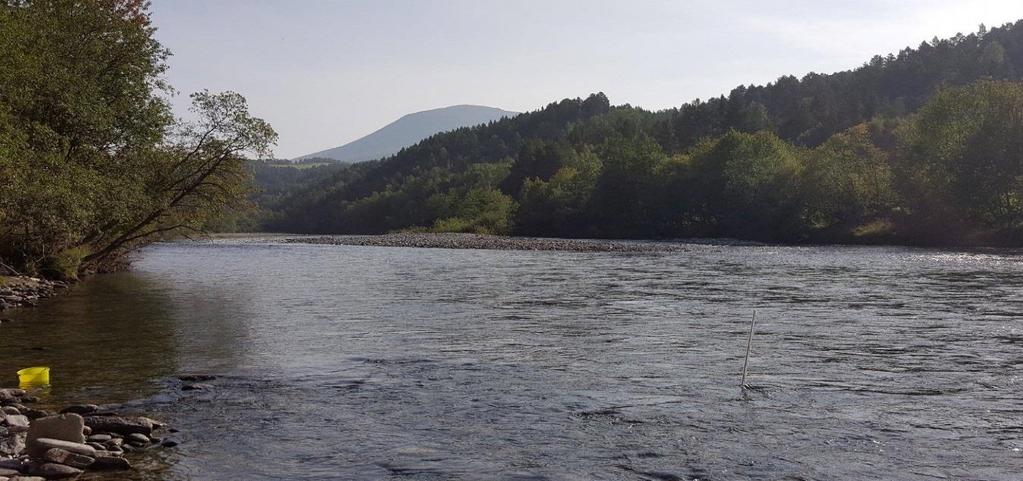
(409, 130)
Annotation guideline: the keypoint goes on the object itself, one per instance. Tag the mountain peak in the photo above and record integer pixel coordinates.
(409, 130)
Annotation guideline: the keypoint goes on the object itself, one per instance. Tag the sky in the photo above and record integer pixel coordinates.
(324, 73)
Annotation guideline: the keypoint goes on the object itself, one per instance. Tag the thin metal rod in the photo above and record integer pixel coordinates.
(749, 345)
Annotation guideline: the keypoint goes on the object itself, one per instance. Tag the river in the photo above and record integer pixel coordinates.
(369, 363)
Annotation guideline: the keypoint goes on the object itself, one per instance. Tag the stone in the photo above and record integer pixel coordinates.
(10, 410)
(11, 393)
(197, 387)
(99, 438)
(14, 464)
(56, 471)
(16, 423)
(137, 438)
(197, 377)
(11, 444)
(110, 463)
(87, 430)
(114, 442)
(27, 478)
(119, 424)
(96, 446)
(41, 445)
(80, 409)
(169, 444)
(35, 413)
(9, 472)
(67, 458)
(65, 427)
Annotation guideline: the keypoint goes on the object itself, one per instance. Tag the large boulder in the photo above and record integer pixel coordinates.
(67, 458)
(123, 425)
(55, 471)
(65, 427)
(41, 445)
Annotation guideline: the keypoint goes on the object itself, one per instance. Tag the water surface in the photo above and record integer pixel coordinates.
(341, 362)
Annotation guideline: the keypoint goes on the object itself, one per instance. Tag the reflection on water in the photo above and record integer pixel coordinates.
(386, 363)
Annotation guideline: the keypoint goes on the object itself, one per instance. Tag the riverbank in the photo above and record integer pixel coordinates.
(23, 291)
(37, 444)
(490, 242)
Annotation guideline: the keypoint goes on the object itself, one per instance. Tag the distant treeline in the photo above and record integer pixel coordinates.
(919, 147)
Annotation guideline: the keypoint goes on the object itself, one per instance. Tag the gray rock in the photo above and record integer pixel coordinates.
(56, 471)
(11, 444)
(115, 442)
(9, 472)
(41, 445)
(27, 478)
(67, 458)
(11, 393)
(197, 387)
(120, 424)
(110, 463)
(80, 409)
(14, 464)
(137, 438)
(96, 446)
(35, 413)
(197, 377)
(99, 438)
(10, 410)
(169, 444)
(16, 423)
(66, 427)
(87, 430)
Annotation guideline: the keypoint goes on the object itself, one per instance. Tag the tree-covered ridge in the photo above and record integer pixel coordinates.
(850, 156)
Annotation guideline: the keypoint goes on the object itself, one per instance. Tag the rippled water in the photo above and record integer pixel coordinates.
(426, 364)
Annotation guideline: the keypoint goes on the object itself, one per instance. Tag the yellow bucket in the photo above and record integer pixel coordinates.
(34, 376)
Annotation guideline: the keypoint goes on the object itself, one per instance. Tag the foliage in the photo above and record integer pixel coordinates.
(92, 162)
(963, 156)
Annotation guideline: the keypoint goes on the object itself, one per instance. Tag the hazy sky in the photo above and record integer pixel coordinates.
(327, 72)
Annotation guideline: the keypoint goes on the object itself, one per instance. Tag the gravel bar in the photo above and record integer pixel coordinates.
(475, 241)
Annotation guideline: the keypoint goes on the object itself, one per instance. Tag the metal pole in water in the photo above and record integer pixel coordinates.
(749, 344)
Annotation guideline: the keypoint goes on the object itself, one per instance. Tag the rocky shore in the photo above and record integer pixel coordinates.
(474, 241)
(36, 445)
(21, 291)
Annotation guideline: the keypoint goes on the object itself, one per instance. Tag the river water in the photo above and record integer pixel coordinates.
(373, 363)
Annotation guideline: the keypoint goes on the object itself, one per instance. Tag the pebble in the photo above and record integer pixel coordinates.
(196, 387)
(137, 438)
(169, 444)
(99, 438)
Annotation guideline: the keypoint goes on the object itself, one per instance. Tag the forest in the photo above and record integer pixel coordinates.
(918, 147)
